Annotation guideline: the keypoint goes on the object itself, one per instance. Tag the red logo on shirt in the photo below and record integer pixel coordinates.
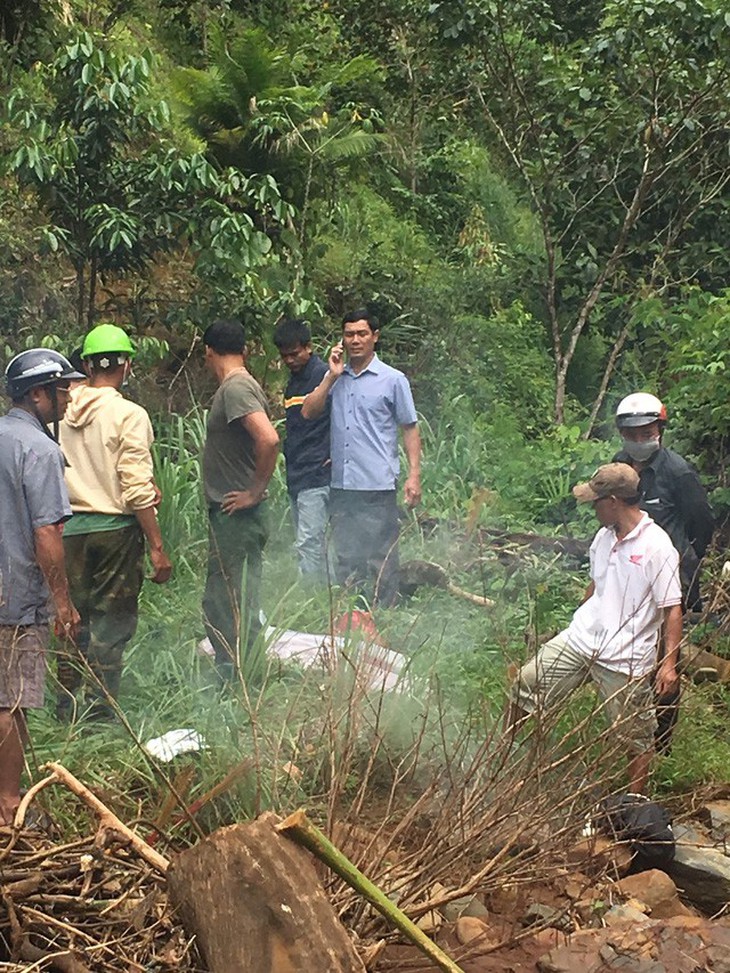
(635, 558)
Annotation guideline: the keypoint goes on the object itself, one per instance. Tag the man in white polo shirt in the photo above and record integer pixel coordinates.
(634, 595)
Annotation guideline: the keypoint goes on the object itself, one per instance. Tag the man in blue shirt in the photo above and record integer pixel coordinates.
(370, 401)
(306, 448)
(33, 585)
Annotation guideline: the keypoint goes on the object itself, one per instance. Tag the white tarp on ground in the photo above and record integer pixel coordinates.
(374, 666)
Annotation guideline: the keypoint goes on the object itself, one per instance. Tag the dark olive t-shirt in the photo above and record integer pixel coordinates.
(229, 459)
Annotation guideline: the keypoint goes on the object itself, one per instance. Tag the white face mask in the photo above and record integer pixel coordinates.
(641, 452)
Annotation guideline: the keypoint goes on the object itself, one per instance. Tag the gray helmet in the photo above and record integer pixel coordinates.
(37, 366)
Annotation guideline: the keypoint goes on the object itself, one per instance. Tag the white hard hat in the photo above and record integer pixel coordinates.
(639, 409)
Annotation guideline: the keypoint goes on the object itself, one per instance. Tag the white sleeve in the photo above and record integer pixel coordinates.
(662, 572)
(592, 552)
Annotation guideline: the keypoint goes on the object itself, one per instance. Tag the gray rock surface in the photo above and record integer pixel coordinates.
(702, 875)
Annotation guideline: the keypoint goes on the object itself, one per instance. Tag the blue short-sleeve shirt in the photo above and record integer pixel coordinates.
(367, 410)
(32, 494)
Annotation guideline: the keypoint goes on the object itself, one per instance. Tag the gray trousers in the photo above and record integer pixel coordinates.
(232, 597)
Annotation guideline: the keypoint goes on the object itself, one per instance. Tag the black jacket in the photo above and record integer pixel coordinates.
(307, 443)
(674, 498)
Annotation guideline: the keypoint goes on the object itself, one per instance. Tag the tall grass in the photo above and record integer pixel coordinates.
(480, 465)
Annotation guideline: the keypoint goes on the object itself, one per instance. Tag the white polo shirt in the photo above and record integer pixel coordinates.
(635, 579)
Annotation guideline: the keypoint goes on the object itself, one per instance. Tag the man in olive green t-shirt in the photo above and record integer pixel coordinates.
(240, 455)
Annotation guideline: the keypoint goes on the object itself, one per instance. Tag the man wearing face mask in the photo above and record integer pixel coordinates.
(674, 498)
(106, 440)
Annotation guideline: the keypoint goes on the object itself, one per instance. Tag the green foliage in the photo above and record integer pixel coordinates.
(479, 462)
(176, 456)
(603, 132)
(253, 114)
(500, 364)
(701, 754)
(115, 201)
(693, 374)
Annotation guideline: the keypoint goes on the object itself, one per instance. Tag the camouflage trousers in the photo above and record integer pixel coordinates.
(105, 572)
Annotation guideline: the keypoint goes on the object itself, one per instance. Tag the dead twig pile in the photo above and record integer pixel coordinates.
(97, 903)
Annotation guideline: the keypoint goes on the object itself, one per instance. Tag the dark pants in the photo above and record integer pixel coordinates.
(667, 714)
(365, 533)
(105, 572)
(236, 544)
(667, 710)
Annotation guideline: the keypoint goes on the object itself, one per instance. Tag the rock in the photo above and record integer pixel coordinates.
(657, 890)
(547, 939)
(687, 833)
(624, 913)
(703, 874)
(467, 905)
(638, 904)
(576, 957)
(474, 932)
(684, 944)
(430, 922)
(718, 959)
(596, 854)
(577, 886)
(546, 915)
(716, 815)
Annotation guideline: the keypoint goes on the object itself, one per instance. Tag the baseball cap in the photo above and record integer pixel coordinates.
(612, 480)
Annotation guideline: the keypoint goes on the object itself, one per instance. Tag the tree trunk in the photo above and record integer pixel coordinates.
(91, 310)
(80, 293)
(253, 901)
(607, 373)
(561, 374)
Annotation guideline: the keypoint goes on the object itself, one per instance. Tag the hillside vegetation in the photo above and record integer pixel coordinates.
(532, 195)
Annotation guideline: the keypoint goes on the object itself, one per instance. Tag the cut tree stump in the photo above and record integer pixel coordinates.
(254, 903)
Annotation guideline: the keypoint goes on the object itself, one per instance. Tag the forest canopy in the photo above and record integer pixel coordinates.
(533, 196)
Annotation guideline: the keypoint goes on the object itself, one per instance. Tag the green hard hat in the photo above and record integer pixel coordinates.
(107, 339)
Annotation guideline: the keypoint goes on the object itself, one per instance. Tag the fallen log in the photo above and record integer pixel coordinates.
(414, 574)
(572, 547)
(696, 660)
(298, 827)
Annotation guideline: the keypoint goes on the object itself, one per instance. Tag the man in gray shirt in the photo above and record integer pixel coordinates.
(370, 402)
(33, 507)
(241, 447)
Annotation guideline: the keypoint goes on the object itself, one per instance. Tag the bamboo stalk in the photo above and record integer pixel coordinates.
(299, 828)
(108, 821)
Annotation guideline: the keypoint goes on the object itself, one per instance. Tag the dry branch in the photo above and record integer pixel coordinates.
(108, 821)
